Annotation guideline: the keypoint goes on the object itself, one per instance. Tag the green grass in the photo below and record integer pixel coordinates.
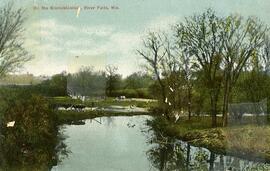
(111, 101)
(203, 122)
(102, 102)
(70, 117)
(248, 141)
(64, 100)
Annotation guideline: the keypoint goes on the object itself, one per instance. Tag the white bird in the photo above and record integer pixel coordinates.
(171, 89)
(177, 117)
(11, 124)
(78, 11)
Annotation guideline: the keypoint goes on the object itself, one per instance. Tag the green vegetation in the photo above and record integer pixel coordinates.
(23, 79)
(135, 85)
(33, 142)
(86, 82)
(109, 101)
(204, 64)
(89, 82)
(127, 102)
(73, 117)
(33, 137)
(56, 86)
(132, 93)
(199, 64)
(248, 141)
(68, 117)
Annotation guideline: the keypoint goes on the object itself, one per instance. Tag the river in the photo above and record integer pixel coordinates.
(126, 144)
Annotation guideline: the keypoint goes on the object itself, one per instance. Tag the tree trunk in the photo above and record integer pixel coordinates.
(222, 162)
(189, 103)
(211, 161)
(213, 111)
(165, 109)
(188, 156)
(225, 104)
(226, 98)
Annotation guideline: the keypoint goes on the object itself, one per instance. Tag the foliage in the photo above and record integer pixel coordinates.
(56, 86)
(86, 82)
(238, 140)
(132, 93)
(138, 80)
(113, 80)
(33, 138)
(20, 79)
(209, 50)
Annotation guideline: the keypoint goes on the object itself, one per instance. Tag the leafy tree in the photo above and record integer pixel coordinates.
(221, 48)
(200, 35)
(113, 80)
(56, 86)
(86, 82)
(241, 40)
(138, 80)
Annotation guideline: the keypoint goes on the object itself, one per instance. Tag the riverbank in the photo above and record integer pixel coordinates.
(103, 102)
(246, 141)
(98, 107)
(73, 117)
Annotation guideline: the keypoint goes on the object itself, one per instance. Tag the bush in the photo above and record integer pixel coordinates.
(132, 93)
(33, 138)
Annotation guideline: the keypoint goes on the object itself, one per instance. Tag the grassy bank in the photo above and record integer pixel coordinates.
(246, 141)
(73, 117)
(103, 102)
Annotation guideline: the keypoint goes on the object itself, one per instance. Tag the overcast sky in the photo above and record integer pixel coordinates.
(62, 40)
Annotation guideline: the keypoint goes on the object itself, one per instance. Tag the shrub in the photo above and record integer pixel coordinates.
(132, 93)
(33, 138)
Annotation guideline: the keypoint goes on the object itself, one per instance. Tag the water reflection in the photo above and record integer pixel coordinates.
(16, 155)
(107, 144)
(129, 144)
(169, 154)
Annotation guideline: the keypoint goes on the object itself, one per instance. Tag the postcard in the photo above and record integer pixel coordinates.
(134, 85)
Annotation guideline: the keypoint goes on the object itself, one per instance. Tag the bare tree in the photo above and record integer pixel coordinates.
(12, 53)
(172, 76)
(153, 52)
(187, 66)
(178, 68)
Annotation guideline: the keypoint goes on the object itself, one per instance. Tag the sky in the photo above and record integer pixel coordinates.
(65, 40)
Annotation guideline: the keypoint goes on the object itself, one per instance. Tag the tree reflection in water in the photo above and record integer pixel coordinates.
(167, 154)
(38, 159)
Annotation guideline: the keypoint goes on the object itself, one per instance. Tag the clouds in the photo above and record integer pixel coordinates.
(55, 44)
(100, 38)
(163, 23)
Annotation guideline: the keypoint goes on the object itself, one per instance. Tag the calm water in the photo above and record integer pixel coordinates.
(125, 144)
